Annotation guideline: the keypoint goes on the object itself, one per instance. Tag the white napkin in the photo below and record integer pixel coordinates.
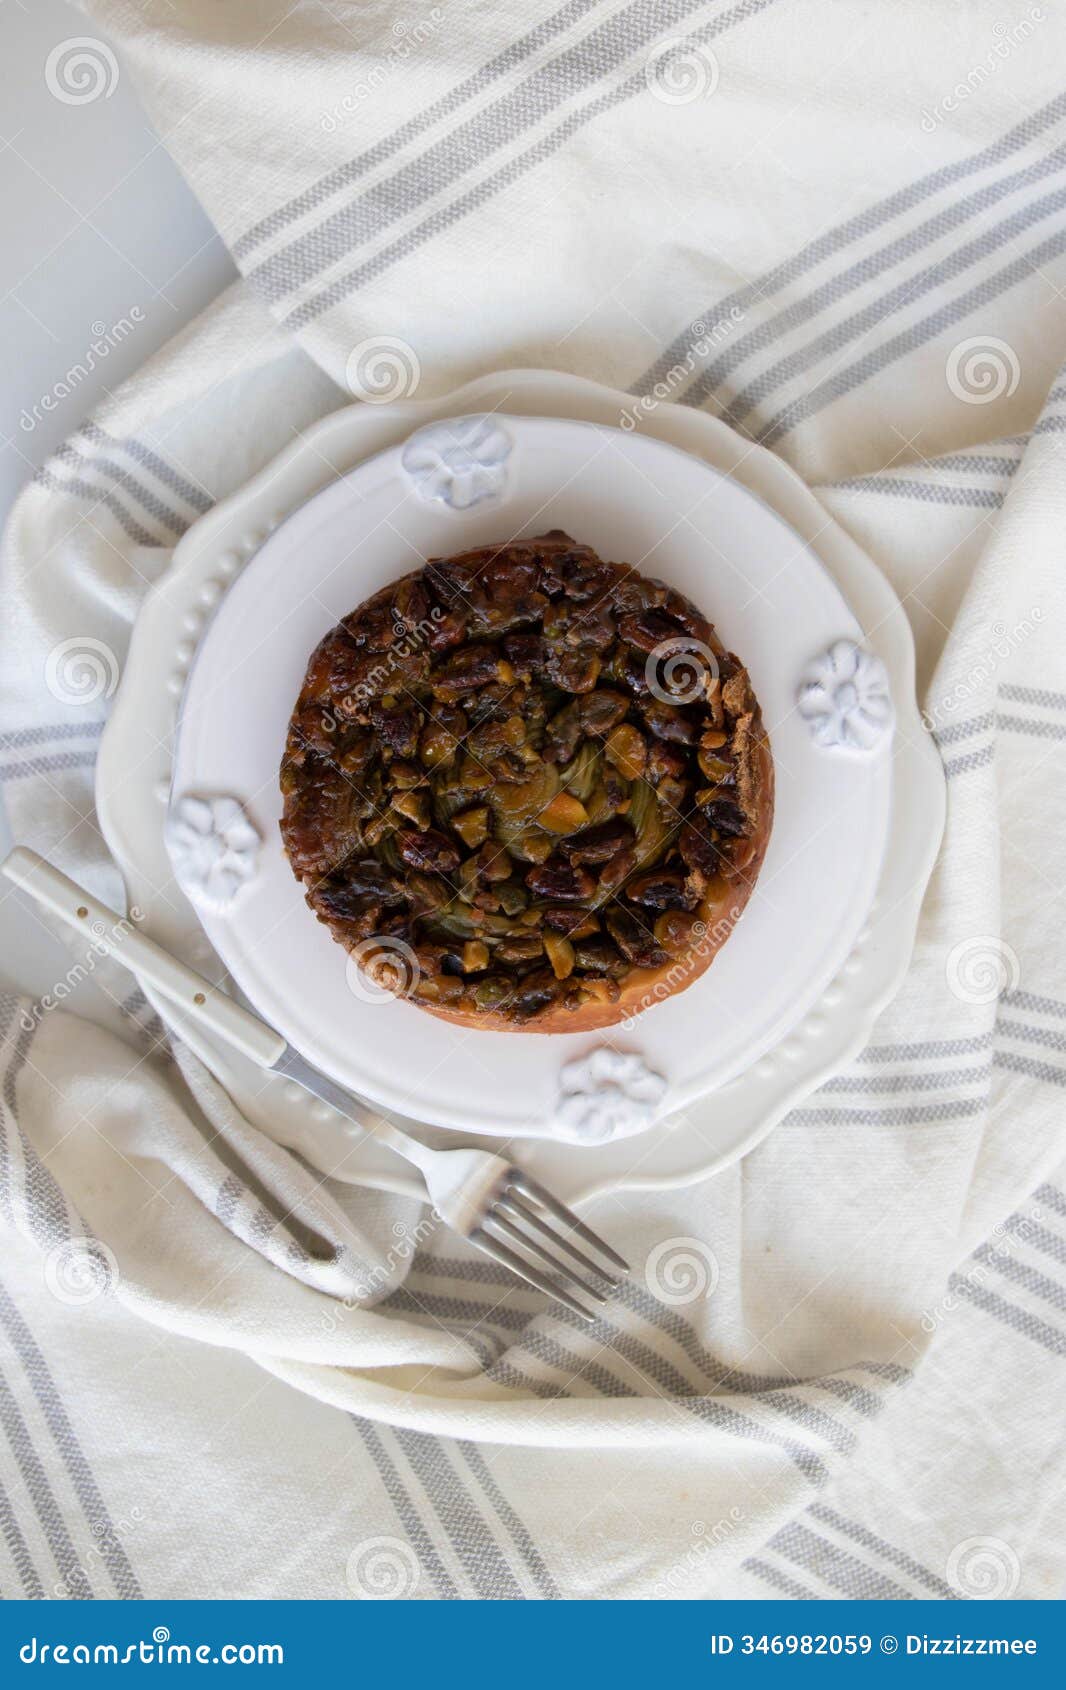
(747, 206)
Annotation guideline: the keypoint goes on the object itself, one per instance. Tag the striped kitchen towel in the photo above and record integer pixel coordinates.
(836, 1369)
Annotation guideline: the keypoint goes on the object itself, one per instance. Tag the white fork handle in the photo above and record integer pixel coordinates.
(213, 1008)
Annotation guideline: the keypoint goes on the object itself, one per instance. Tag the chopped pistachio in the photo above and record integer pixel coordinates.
(627, 751)
(514, 732)
(565, 814)
(512, 895)
(472, 826)
(415, 806)
(715, 768)
(560, 954)
(493, 864)
(535, 847)
(524, 949)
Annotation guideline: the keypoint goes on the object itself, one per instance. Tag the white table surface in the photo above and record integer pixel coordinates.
(96, 220)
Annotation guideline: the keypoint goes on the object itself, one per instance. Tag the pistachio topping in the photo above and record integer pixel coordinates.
(488, 765)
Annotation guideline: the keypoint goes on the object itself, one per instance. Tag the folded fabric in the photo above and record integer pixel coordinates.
(741, 206)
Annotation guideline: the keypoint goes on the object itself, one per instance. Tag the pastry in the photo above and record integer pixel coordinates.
(537, 777)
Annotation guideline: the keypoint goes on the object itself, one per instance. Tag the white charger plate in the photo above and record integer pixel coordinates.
(624, 514)
(633, 500)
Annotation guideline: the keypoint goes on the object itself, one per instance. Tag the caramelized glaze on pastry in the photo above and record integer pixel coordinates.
(527, 788)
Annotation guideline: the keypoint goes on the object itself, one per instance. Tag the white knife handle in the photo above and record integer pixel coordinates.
(143, 957)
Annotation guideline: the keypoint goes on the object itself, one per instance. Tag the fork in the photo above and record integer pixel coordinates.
(483, 1197)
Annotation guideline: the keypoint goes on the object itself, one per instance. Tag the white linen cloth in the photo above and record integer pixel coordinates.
(845, 229)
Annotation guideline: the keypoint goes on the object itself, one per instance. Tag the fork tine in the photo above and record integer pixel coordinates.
(531, 1188)
(515, 1204)
(509, 1259)
(538, 1249)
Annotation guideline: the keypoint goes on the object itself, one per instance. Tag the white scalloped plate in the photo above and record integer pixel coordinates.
(632, 499)
(760, 1064)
